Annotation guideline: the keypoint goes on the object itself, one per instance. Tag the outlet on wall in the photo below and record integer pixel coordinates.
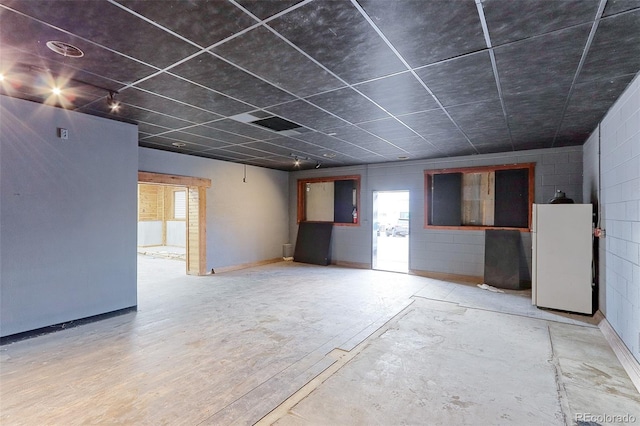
(63, 133)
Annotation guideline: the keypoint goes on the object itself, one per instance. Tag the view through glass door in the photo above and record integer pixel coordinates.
(391, 231)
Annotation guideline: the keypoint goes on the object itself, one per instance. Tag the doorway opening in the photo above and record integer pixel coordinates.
(162, 221)
(390, 248)
(172, 210)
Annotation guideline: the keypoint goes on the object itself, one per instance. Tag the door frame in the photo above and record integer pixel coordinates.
(196, 215)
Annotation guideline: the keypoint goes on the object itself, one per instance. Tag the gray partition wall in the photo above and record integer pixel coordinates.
(67, 216)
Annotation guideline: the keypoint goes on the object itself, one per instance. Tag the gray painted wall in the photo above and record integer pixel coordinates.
(451, 252)
(246, 222)
(619, 135)
(67, 216)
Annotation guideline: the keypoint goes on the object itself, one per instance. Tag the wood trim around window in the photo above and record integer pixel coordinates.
(301, 190)
(427, 188)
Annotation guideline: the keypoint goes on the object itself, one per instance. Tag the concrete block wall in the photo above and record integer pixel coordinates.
(457, 252)
(619, 135)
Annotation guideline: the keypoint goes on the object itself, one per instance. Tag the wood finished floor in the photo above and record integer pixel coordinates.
(230, 348)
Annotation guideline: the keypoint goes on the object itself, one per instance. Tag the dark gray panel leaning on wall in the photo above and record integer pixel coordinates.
(313, 244)
(502, 258)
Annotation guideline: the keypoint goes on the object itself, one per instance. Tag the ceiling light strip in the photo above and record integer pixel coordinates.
(406, 64)
(494, 66)
(583, 58)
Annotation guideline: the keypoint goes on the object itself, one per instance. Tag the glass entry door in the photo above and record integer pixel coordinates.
(390, 244)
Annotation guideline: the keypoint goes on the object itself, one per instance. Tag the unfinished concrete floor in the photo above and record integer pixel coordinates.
(289, 343)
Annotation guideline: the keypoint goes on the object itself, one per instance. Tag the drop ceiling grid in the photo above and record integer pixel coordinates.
(337, 109)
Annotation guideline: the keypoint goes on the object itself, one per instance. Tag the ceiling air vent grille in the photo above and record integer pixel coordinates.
(65, 49)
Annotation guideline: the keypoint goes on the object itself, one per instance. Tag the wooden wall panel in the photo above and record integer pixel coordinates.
(150, 202)
(196, 232)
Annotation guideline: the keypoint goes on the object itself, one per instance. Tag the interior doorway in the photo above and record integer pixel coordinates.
(390, 248)
(193, 191)
(162, 221)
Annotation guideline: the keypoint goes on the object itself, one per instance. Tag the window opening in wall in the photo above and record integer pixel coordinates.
(390, 247)
(329, 199)
(180, 205)
(493, 197)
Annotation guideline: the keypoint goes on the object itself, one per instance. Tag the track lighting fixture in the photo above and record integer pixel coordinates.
(112, 103)
(61, 89)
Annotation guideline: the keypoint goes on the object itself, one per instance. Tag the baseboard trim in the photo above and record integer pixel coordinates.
(356, 265)
(245, 265)
(448, 277)
(12, 338)
(628, 361)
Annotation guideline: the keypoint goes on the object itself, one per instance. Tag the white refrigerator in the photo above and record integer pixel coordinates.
(562, 257)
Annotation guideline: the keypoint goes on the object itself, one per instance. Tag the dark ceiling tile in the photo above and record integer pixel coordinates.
(300, 147)
(192, 94)
(23, 40)
(490, 148)
(151, 129)
(386, 149)
(218, 75)
(496, 136)
(353, 134)
(265, 9)
(388, 129)
(209, 132)
(461, 80)
(477, 115)
(399, 94)
(168, 143)
(618, 6)
(271, 147)
(427, 32)
(245, 150)
(224, 154)
(414, 144)
(139, 114)
(349, 104)
(264, 54)
(532, 144)
(335, 34)
(510, 20)
(223, 19)
(163, 147)
(191, 138)
(455, 151)
(247, 130)
(166, 106)
(453, 138)
(544, 63)
(303, 113)
(97, 20)
(534, 112)
(588, 104)
(615, 49)
(429, 122)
